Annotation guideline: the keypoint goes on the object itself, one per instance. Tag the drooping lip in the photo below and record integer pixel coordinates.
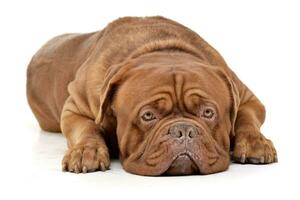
(191, 156)
(191, 164)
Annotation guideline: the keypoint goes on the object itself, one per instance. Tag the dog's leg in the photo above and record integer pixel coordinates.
(87, 149)
(250, 146)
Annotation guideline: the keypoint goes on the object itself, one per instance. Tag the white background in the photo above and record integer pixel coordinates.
(259, 40)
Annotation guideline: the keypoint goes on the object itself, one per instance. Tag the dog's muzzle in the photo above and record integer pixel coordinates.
(183, 163)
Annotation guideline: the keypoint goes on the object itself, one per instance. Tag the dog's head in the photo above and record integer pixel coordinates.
(174, 114)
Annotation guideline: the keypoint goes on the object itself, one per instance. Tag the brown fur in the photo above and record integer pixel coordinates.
(90, 86)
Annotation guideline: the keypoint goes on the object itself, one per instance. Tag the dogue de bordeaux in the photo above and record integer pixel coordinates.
(150, 91)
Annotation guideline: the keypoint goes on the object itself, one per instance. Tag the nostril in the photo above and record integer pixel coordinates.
(181, 131)
(191, 133)
(178, 134)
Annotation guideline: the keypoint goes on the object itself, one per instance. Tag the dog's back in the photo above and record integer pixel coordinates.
(55, 65)
(50, 71)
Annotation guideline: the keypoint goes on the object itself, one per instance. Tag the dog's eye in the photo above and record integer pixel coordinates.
(208, 113)
(148, 116)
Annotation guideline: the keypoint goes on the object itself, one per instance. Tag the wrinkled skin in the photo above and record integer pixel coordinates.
(174, 94)
(152, 92)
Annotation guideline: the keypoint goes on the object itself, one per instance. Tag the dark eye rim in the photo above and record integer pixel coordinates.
(212, 113)
(152, 116)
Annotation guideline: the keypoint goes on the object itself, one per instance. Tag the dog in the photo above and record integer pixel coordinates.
(150, 91)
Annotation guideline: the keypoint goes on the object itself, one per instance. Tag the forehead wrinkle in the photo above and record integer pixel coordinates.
(156, 83)
(159, 96)
(196, 91)
(178, 79)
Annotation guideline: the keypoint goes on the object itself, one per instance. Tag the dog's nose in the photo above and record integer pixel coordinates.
(183, 130)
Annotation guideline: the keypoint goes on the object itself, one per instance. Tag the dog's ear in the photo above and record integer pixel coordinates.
(235, 103)
(231, 80)
(111, 81)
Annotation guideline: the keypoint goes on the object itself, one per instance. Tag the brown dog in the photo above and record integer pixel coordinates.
(150, 90)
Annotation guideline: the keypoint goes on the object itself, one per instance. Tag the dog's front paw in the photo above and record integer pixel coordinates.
(86, 158)
(254, 149)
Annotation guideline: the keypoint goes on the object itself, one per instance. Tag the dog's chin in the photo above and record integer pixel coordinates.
(183, 164)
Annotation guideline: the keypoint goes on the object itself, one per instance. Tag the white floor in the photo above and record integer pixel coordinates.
(41, 176)
(258, 39)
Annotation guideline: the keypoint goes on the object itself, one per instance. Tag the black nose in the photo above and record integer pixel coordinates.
(183, 130)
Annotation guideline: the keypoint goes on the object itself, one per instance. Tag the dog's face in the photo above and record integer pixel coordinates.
(174, 116)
